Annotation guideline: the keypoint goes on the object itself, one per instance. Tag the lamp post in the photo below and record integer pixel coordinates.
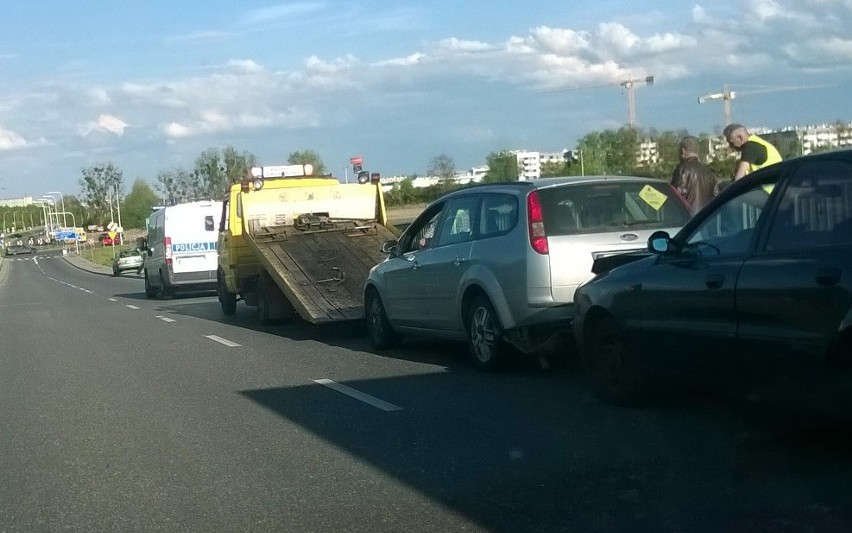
(4, 220)
(14, 218)
(50, 213)
(62, 197)
(41, 204)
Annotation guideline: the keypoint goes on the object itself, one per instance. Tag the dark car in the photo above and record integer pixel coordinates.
(17, 249)
(754, 293)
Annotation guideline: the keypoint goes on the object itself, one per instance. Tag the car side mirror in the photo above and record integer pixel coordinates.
(659, 242)
(389, 247)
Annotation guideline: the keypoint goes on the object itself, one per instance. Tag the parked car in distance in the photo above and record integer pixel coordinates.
(497, 264)
(106, 240)
(18, 249)
(128, 260)
(754, 294)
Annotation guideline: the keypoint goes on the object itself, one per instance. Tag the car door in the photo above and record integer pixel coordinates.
(442, 267)
(794, 293)
(688, 299)
(404, 284)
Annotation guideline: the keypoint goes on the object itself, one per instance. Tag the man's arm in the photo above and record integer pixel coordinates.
(740, 170)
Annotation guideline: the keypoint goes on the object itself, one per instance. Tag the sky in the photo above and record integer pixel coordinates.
(149, 85)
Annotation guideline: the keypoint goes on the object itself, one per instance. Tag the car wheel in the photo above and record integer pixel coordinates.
(149, 290)
(485, 337)
(381, 333)
(227, 300)
(614, 365)
(116, 272)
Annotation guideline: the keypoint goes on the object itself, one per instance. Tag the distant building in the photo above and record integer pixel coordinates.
(16, 202)
(529, 165)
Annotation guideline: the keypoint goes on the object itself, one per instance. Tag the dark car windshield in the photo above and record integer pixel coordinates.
(604, 207)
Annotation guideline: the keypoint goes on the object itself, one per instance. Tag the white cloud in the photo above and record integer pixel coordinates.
(281, 12)
(98, 97)
(9, 140)
(105, 124)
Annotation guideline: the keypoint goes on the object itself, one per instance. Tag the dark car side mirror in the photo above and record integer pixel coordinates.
(389, 247)
(659, 242)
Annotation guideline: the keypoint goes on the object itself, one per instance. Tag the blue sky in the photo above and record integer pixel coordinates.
(149, 85)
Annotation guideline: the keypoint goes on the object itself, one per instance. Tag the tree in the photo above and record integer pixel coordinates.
(178, 185)
(502, 166)
(444, 168)
(550, 169)
(137, 205)
(610, 152)
(214, 171)
(308, 157)
(101, 185)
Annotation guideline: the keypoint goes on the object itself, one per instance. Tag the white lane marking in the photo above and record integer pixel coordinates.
(81, 288)
(131, 306)
(165, 318)
(358, 395)
(220, 340)
(112, 299)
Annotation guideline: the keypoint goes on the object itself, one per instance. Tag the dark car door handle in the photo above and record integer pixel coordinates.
(458, 261)
(828, 276)
(714, 281)
(415, 265)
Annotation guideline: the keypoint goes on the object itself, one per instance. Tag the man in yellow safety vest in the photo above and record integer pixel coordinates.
(754, 152)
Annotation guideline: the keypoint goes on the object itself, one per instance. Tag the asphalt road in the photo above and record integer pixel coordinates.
(121, 413)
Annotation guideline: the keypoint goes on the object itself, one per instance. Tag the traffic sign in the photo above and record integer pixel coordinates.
(356, 160)
(112, 234)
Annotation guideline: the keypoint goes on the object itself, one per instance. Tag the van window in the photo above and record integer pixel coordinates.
(208, 223)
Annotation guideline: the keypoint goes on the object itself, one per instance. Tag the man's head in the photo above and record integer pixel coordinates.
(688, 147)
(736, 135)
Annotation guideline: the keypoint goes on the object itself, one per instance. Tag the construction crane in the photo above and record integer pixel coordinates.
(727, 95)
(629, 84)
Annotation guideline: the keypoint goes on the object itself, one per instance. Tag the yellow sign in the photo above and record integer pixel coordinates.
(768, 188)
(653, 197)
(112, 234)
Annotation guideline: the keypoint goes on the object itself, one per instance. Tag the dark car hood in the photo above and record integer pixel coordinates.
(608, 262)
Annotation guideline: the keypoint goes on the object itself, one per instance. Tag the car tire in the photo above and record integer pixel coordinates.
(614, 365)
(164, 291)
(116, 273)
(150, 292)
(490, 352)
(381, 333)
(228, 300)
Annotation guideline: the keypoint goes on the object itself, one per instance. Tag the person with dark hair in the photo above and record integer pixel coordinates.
(754, 152)
(693, 179)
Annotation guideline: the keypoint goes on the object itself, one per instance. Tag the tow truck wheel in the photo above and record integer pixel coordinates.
(227, 300)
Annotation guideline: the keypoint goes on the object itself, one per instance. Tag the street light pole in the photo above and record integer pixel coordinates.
(62, 197)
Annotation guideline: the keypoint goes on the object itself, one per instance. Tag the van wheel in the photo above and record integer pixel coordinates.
(150, 292)
(484, 334)
(614, 365)
(381, 333)
(164, 291)
(228, 300)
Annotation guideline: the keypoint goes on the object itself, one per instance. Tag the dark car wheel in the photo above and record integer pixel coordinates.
(227, 300)
(614, 365)
(164, 291)
(150, 292)
(381, 333)
(485, 337)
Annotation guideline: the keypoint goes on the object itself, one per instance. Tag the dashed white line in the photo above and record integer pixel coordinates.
(165, 318)
(220, 340)
(358, 395)
(131, 306)
(112, 299)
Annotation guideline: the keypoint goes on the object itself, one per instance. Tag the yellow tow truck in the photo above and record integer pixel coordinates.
(292, 243)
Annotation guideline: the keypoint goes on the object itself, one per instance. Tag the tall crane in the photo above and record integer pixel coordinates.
(629, 84)
(727, 95)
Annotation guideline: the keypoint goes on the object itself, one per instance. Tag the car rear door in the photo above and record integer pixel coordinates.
(794, 293)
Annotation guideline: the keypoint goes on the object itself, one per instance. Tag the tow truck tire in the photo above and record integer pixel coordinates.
(228, 300)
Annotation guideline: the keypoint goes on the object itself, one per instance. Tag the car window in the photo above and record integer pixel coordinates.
(729, 228)
(456, 226)
(816, 209)
(421, 232)
(607, 206)
(499, 214)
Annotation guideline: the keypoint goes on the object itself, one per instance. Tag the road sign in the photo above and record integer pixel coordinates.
(112, 234)
(112, 226)
(356, 160)
(65, 235)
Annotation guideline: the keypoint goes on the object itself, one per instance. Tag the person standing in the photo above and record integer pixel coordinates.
(754, 152)
(693, 179)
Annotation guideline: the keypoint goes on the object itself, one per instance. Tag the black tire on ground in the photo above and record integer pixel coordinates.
(116, 273)
(615, 368)
(227, 300)
(150, 292)
(381, 333)
(489, 351)
(164, 291)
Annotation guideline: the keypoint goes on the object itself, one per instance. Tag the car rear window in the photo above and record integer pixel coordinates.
(603, 207)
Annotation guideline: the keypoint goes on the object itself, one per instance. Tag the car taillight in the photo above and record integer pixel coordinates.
(168, 249)
(535, 220)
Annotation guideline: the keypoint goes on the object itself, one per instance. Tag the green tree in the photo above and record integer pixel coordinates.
(611, 152)
(502, 166)
(101, 186)
(444, 168)
(552, 169)
(308, 157)
(137, 205)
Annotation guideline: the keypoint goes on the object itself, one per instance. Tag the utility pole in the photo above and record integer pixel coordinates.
(630, 84)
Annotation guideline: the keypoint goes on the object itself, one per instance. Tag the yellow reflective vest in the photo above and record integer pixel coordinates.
(772, 155)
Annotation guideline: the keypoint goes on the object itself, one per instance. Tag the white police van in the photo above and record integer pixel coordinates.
(182, 248)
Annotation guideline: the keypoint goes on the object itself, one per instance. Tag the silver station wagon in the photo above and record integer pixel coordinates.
(497, 264)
